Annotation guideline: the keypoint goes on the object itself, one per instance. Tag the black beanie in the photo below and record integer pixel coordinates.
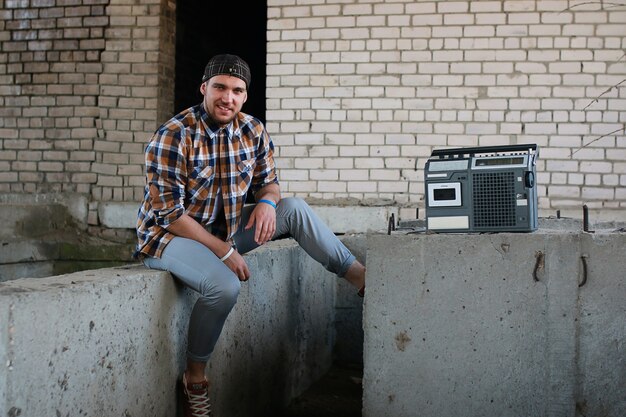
(227, 64)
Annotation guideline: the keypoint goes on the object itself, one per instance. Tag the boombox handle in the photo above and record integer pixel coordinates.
(484, 149)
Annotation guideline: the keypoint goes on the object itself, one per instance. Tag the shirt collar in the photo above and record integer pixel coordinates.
(213, 129)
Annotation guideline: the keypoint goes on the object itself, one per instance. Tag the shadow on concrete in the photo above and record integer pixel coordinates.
(338, 394)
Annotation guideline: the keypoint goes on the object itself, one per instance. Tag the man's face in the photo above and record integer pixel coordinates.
(223, 97)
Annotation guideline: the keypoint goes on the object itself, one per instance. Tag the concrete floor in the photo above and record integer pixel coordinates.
(338, 394)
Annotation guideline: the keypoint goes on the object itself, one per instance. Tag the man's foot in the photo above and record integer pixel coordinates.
(196, 401)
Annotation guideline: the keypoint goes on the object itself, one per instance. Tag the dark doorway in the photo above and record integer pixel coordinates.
(206, 28)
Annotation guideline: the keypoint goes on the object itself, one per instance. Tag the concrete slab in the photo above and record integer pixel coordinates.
(77, 205)
(486, 324)
(111, 342)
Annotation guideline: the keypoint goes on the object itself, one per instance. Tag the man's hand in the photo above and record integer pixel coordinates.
(238, 265)
(264, 218)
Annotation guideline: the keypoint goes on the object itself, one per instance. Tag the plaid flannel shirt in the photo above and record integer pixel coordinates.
(187, 160)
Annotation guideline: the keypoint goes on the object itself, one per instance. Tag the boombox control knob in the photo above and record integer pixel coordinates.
(529, 179)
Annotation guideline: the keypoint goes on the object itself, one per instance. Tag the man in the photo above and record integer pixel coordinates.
(200, 165)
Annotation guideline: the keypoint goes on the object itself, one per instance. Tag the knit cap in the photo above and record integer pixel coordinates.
(226, 64)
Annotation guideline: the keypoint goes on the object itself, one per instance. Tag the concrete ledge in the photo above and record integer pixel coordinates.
(495, 325)
(111, 342)
(340, 219)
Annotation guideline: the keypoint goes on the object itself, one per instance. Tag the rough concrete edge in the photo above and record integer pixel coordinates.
(75, 280)
(4, 318)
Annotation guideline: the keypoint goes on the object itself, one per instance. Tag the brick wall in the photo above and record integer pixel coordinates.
(82, 85)
(49, 69)
(359, 93)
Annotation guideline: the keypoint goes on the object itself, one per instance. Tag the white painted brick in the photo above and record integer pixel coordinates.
(596, 166)
(357, 9)
(369, 163)
(354, 174)
(458, 19)
(480, 55)
(339, 163)
(478, 31)
(575, 179)
(555, 153)
(593, 179)
(388, 150)
(563, 191)
(362, 186)
(543, 55)
(393, 187)
(332, 186)
(552, 5)
(421, 8)
(415, 32)
(559, 178)
(299, 186)
(573, 129)
(511, 55)
(388, 9)
(511, 128)
(490, 18)
(610, 180)
(294, 151)
(387, 32)
(294, 175)
(511, 30)
(519, 5)
(598, 193)
(485, 6)
(401, 21)
(324, 174)
(556, 104)
(478, 80)
(452, 7)
(564, 165)
(523, 18)
(340, 21)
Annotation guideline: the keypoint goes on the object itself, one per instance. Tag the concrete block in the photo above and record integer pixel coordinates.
(30, 221)
(475, 325)
(118, 215)
(33, 207)
(111, 342)
(355, 219)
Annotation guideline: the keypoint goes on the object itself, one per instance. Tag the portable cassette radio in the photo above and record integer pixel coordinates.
(482, 189)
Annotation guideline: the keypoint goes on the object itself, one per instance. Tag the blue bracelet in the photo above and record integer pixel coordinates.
(270, 202)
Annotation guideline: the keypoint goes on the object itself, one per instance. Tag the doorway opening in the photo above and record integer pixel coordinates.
(204, 29)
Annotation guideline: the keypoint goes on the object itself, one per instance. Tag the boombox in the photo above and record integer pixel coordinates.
(482, 189)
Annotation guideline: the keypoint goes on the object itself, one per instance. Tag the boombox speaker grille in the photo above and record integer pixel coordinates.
(494, 199)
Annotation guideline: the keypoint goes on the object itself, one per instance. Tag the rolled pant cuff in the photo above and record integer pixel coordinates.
(197, 358)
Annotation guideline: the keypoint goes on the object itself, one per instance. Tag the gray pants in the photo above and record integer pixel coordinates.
(200, 269)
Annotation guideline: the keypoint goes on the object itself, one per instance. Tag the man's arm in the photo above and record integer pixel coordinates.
(187, 227)
(264, 215)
